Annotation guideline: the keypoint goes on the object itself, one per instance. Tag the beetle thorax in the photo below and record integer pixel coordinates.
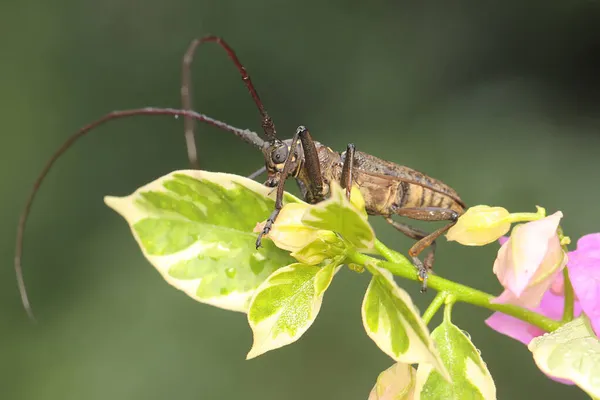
(330, 167)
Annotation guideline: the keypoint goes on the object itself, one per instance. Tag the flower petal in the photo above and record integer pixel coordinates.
(503, 239)
(584, 272)
(531, 258)
(552, 306)
(513, 327)
(558, 286)
(590, 243)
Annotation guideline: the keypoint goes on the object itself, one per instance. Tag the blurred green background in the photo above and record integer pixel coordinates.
(500, 100)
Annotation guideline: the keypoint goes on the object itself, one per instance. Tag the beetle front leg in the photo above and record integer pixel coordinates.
(280, 190)
(347, 168)
(311, 163)
(311, 160)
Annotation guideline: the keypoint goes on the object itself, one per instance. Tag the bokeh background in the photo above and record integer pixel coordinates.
(498, 99)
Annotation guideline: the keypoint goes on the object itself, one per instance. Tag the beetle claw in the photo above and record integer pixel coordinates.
(422, 273)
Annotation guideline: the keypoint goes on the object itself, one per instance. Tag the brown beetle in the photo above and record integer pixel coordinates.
(388, 189)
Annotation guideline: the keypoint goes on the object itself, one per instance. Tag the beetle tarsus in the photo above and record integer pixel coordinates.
(267, 227)
(264, 232)
(422, 273)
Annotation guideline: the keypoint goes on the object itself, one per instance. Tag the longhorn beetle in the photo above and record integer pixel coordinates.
(388, 189)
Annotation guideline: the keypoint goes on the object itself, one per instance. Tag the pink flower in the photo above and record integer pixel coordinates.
(529, 261)
(584, 274)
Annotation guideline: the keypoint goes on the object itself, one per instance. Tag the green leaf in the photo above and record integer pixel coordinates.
(571, 352)
(395, 383)
(470, 376)
(339, 215)
(195, 228)
(286, 304)
(393, 322)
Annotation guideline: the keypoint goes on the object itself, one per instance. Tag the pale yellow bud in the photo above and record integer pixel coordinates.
(480, 225)
(325, 245)
(288, 232)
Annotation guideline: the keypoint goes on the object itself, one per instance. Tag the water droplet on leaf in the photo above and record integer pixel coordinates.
(230, 272)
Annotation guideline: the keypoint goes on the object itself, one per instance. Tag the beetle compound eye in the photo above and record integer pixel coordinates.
(279, 154)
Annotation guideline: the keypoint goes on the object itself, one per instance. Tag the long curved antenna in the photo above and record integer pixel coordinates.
(186, 96)
(246, 135)
(257, 173)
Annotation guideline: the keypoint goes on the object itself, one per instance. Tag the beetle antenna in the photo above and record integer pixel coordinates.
(245, 134)
(267, 123)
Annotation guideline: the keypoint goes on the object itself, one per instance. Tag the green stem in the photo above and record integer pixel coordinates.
(569, 306)
(569, 309)
(526, 217)
(434, 306)
(389, 254)
(401, 266)
(450, 300)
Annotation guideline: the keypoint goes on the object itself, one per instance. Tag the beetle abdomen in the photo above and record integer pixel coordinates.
(410, 195)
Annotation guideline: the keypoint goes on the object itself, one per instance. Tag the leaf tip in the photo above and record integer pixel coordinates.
(253, 353)
(116, 203)
(126, 207)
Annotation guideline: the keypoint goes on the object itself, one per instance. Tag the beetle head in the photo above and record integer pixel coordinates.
(276, 153)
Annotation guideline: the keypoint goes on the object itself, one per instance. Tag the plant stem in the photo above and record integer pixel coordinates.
(390, 254)
(402, 267)
(450, 300)
(569, 308)
(434, 306)
(526, 217)
(569, 305)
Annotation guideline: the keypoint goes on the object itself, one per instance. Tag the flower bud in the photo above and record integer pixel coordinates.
(480, 225)
(325, 245)
(288, 232)
(396, 382)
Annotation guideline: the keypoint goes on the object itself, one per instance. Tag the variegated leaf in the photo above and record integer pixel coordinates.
(393, 322)
(196, 228)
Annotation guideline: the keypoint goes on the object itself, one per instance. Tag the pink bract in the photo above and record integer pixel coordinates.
(584, 272)
(529, 261)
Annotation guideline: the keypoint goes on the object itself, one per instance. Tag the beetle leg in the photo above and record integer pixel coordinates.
(311, 162)
(427, 214)
(347, 168)
(423, 267)
(415, 234)
(280, 189)
(313, 168)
